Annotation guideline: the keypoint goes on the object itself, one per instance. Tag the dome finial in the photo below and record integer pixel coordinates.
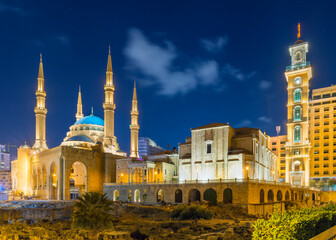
(91, 111)
(299, 31)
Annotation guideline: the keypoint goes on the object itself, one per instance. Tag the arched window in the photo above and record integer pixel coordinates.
(297, 113)
(297, 95)
(297, 134)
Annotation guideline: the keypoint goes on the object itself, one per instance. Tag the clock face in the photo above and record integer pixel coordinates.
(297, 81)
(298, 56)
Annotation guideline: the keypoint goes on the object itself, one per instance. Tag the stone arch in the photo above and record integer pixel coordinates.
(78, 177)
(210, 195)
(262, 196)
(53, 180)
(279, 196)
(194, 195)
(159, 195)
(270, 196)
(227, 196)
(178, 196)
(287, 196)
(115, 195)
(137, 197)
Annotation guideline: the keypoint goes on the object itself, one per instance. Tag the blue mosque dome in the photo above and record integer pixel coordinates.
(94, 120)
(81, 138)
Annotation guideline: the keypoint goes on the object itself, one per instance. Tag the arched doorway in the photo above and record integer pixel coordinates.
(210, 195)
(227, 196)
(194, 196)
(279, 196)
(270, 196)
(116, 195)
(159, 195)
(137, 195)
(262, 196)
(178, 196)
(53, 181)
(78, 180)
(287, 196)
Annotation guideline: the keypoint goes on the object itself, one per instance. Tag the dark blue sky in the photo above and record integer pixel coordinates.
(195, 62)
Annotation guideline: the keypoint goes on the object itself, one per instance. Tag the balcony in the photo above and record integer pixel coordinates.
(298, 66)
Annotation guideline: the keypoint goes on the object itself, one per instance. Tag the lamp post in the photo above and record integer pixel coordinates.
(247, 168)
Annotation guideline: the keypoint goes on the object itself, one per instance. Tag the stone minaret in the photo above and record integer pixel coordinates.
(40, 112)
(79, 113)
(109, 106)
(134, 126)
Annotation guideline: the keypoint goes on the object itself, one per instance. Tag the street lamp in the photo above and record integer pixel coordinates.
(247, 172)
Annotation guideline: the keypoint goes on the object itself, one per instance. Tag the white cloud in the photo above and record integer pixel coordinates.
(11, 9)
(265, 119)
(236, 73)
(243, 123)
(215, 44)
(156, 63)
(265, 85)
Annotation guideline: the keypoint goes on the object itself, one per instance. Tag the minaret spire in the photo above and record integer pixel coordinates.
(79, 113)
(134, 125)
(109, 107)
(40, 112)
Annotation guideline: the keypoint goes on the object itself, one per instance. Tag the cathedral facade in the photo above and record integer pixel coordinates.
(86, 158)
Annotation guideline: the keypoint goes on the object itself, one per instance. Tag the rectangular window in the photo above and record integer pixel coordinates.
(273, 149)
(316, 159)
(282, 168)
(317, 97)
(317, 131)
(326, 144)
(209, 145)
(316, 152)
(334, 172)
(283, 161)
(316, 173)
(334, 164)
(317, 124)
(326, 116)
(316, 145)
(282, 148)
(326, 158)
(282, 142)
(326, 109)
(317, 117)
(273, 143)
(326, 95)
(325, 172)
(326, 165)
(326, 130)
(283, 155)
(326, 151)
(326, 137)
(316, 166)
(326, 123)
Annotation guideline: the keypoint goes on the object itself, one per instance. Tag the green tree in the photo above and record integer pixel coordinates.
(331, 182)
(92, 211)
(312, 183)
(321, 184)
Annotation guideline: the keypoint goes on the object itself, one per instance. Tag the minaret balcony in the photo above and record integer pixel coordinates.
(109, 87)
(297, 66)
(109, 106)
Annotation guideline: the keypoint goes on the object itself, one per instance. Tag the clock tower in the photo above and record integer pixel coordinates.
(298, 146)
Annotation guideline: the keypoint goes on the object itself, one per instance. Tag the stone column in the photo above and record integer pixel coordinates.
(128, 176)
(143, 175)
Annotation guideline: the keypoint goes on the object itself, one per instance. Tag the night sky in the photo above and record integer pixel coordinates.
(195, 62)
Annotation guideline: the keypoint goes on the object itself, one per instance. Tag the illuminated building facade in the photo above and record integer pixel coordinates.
(277, 145)
(4, 158)
(148, 147)
(84, 160)
(217, 151)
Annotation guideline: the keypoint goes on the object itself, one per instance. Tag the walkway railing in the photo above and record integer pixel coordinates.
(236, 180)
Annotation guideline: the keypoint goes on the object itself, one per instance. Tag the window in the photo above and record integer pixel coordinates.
(326, 115)
(316, 166)
(273, 143)
(326, 130)
(316, 173)
(334, 172)
(297, 95)
(282, 142)
(326, 158)
(208, 148)
(282, 168)
(334, 164)
(273, 149)
(317, 124)
(326, 137)
(326, 144)
(297, 113)
(326, 123)
(317, 110)
(317, 131)
(283, 155)
(326, 109)
(297, 134)
(297, 152)
(326, 151)
(283, 161)
(316, 159)
(326, 165)
(165, 171)
(282, 148)
(326, 172)
(317, 117)
(316, 152)
(317, 97)
(316, 145)
(317, 138)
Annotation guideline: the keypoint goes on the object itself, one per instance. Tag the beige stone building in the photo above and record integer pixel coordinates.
(277, 145)
(86, 158)
(217, 151)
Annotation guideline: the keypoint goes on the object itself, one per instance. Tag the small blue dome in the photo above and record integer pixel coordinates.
(81, 138)
(90, 120)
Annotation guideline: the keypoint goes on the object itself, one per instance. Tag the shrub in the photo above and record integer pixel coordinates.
(184, 212)
(92, 211)
(298, 224)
